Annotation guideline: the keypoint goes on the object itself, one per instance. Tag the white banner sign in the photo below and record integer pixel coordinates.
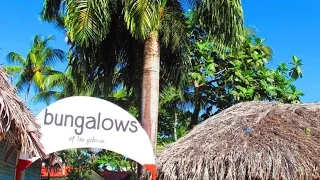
(86, 122)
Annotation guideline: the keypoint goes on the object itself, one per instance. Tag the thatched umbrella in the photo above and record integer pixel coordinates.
(17, 124)
(252, 140)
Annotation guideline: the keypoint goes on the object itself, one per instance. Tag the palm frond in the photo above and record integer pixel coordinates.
(173, 27)
(56, 79)
(60, 22)
(52, 56)
(170, 94)
(46, 97)
(101, 61)
(174, 42)
(22, 83)
(88, 21)
(223, 19)
(13, 57)
(13, 70)
(36, 41)
(32, 58)
(45, 40)
(42, 54)
(142, 16)
(38, 79)
(87, 90)
(51, 9)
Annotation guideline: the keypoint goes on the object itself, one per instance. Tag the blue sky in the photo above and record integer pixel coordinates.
(290, 28)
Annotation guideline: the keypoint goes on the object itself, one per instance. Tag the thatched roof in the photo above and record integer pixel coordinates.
(252, 140)
(17, 124)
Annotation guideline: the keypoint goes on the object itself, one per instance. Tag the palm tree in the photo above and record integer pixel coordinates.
(52, 163)
(33, 69)
(173, 99)
(59, 85)
(106, 32)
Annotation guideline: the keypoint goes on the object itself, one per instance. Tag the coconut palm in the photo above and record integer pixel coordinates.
(135, 31)
(33, 69)
(59, 85)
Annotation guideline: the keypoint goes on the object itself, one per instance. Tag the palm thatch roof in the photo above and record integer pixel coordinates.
(17, 124)
(251, 140)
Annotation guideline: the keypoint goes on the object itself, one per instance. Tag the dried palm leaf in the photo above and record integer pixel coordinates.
(251, 140)
(17, 123)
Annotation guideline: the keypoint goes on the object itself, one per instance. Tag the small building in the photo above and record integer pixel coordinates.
(115, 175)
(19, 132)
(94, 175)
(7, 165)
(62, 175)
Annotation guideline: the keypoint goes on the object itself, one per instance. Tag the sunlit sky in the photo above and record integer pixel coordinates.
(289, 27)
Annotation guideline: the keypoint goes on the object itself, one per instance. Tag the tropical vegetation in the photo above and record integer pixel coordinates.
(136, 37)
(33, 68)
(166, 67)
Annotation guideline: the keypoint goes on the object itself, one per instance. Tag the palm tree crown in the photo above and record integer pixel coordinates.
(32, 69)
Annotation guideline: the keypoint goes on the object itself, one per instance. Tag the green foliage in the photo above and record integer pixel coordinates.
(246, 76)
(106, 34)
(106, 50)
(74, 175)
(238, 75)
(173, 27)
(143, 16)
(125, 99)
(80, 162)
(58, 85)
(108, 159)
(90, 21)
(222, 19)
(218, 80)
(33, 69)
(116, 57)
(86, 21)
(222, 80)
(295, 72)
(173, 120)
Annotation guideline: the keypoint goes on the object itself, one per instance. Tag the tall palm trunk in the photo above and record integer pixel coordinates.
(175, 124)
(48, 174)
(150, 87)
(28, 91)
(196, 111)
(79, 164)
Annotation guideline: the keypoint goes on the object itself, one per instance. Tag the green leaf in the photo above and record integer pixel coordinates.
(258, 40)
(211, 69)
(13, 70)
